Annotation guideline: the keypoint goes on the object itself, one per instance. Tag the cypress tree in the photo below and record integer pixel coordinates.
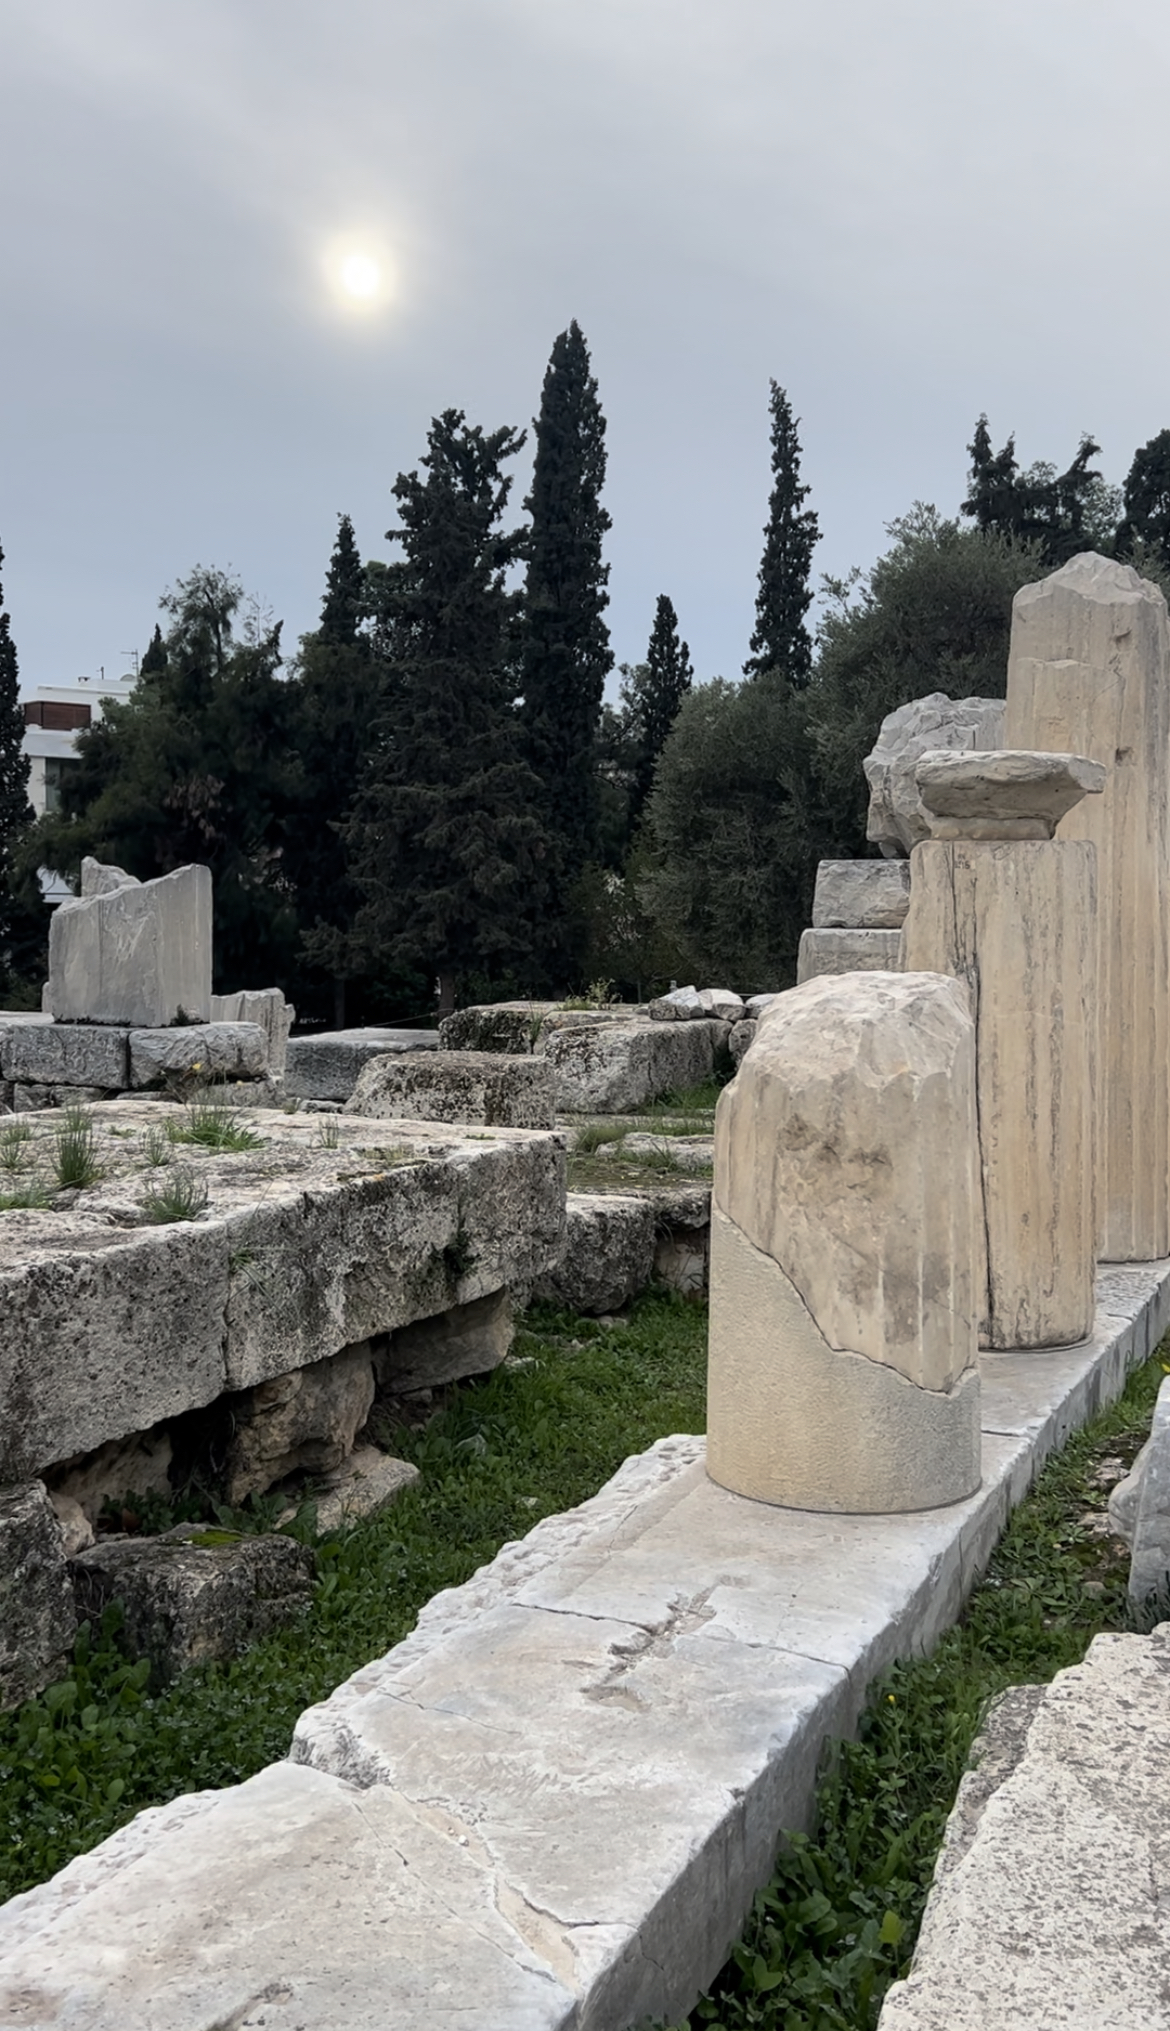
(1062, 512)
(1147, 500)
(445, 840)
(652, 693)
(15, 810)
(780, 640)
(566, 652)
(155, 658)
(345, 586)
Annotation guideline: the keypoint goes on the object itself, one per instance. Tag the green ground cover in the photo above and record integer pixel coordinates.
(539, 1435)
(837, 1923)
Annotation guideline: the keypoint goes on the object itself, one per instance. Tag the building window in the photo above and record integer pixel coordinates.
(55, 767)
(56, 717)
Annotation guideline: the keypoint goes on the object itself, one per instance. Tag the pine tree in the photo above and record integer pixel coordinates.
(566, 652)
(155, 658)
(1062, 512)
(1147, 500)
(652, 693)
(781, 641)
(337, 689)
(445, 841)
(16, 812)
(345, 587)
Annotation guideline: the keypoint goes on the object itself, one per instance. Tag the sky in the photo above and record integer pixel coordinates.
(904, 211)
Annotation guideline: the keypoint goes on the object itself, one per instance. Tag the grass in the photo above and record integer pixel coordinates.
(214, 1123)
(525, 1443)
(179, 1196)
(838, 1921)
(689, 1100)
(593, 1135)
(15, 1145)
(157, 1148)
(76, 1162)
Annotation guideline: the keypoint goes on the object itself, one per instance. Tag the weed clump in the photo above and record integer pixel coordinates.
(179, 1196)
(76, 1163)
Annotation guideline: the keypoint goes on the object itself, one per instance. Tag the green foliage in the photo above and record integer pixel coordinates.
(934, 614)
(156, 1146)
(445, 846)
(16, 1138)
(734, 827)
(196, 766)
(838, 1921)
(651, 695)
(781, 644)
(565, 651)
(345, 586)
(180, 1195)
(1062, 513)
(76, 1160)
(526, 1442)
(1147, 502)
(213, 1122)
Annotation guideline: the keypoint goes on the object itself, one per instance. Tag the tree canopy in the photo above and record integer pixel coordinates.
(1060, 512)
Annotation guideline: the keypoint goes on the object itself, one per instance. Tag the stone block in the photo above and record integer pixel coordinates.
(1089, 674)
(303, 1422)
(721, 1002)
(1010, 793)
(511, 1027)
(328, 1064)
(608, 1255)
(1016, 921)
(365, 1483)
(138, 953)
(844, 1252)
(266, 1006)
(465, 1340)
(67, 1054)
(834, 952)
(37, 1618)
(483, 1087)
(682, 1257)
(195, 1594)
(38, 1099)
(896, 820)
(201, 1052)
(134, 1466)
(861, 895)
(1139, 1510)
(1048, 1901)
(102, 878)
(681, 1005)
(615, 1067)
(739, 1040)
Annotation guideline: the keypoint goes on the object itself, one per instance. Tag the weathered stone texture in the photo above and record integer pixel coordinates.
(37, 1618)
(1011, 793)
(302, 1422)
(328, 1065)
(66, 1054)
(1139, 1510)
(1048, 1904)
(202, 1051)
(844, 1256)
(194, 1593)
(467, 1339)
(615, 1067)
(861, 895)
(138, 954)
(508, 1026)
(1089, 673)
(483, 1087)
(740, 1039)
(608, 1254)
(366, 1482)
(266, 1006)
(897, 820)
(1016, 921)
(824, 953)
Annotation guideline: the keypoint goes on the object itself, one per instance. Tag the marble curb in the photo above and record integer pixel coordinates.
(549, 1807)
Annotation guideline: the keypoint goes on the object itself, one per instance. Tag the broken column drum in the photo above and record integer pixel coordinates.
(844, 1251)
(1003, 906)
(1089, 672)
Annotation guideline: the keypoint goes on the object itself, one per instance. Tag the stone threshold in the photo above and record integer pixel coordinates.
(549, 1807)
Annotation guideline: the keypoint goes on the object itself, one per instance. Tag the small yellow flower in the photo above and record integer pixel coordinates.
(892, 1700)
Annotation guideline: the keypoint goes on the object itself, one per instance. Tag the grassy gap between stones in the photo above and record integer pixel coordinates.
(838, 1921)
(540, 1434)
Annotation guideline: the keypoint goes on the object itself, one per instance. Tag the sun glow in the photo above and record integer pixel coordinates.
(360, 276)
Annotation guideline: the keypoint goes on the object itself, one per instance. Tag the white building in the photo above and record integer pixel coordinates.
(54, 715)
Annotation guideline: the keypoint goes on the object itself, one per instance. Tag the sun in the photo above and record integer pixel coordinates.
(360, 275)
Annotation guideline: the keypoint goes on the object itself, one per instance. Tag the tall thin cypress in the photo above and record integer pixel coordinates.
(345, 584)
(652, 694)
(15, 810)
(566, 654)
(780, 641)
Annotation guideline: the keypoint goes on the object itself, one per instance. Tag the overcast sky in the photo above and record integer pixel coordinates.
(905, 210)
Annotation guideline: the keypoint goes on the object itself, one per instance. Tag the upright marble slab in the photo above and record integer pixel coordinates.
(1089, 672)
(136, 953)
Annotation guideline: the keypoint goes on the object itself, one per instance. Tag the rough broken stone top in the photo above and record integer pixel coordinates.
(1003, 793)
